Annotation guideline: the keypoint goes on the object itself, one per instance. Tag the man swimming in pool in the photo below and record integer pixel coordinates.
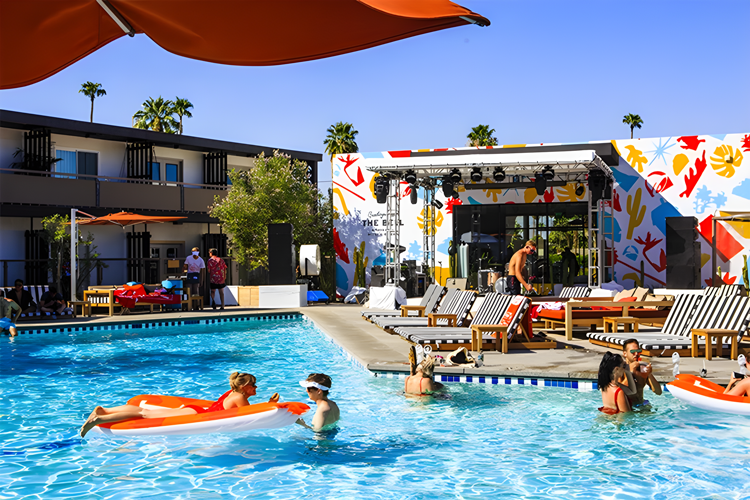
(327, 412)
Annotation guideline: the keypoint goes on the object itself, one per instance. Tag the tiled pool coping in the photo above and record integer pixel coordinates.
(157, 324)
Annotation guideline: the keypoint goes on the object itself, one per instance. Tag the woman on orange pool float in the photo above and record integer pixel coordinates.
(242, 387)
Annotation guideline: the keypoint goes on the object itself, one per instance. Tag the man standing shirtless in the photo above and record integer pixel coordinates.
(517, 267)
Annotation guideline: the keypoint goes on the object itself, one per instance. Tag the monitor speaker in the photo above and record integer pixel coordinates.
(683, 253)
(281, 255)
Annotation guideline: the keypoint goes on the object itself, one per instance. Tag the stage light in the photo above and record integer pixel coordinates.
(455, 195)
(608, 190)
(381, 189)
(540, 183)
(437, 204)
(455, 176)
(447, 186)
(498, 175)
(580, 189)
(476, 174)
(548, 173)
(414, 195)
(411, 177)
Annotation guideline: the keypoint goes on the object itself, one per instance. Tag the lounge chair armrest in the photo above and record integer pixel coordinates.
(488, 328)
(405, 310)
(433, 317)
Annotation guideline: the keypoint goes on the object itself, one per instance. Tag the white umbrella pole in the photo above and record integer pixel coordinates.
(73, 251)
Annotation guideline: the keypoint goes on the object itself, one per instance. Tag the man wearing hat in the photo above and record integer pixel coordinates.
(327, 412)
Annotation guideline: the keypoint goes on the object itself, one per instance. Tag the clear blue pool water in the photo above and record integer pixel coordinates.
(481, 442)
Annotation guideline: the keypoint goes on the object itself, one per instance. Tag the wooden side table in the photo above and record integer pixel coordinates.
(611, 324)
(433, 317)
(85, 306)
(710, 334)
(405, 310)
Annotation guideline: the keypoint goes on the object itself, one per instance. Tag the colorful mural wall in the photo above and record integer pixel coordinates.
(657, 178)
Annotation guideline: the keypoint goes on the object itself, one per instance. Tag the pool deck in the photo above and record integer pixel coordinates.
(380, 351)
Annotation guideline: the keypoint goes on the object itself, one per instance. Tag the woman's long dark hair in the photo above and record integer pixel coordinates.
(606, 368)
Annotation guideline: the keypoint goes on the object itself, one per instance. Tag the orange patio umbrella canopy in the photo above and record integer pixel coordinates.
(125, 219)
(38, 38)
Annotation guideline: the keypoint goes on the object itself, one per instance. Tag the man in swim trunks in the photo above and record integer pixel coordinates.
(327, 412)
(7, 307)
(517, 268)
(641, 372)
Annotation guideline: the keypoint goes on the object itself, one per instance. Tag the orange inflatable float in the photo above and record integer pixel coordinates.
(257, 416)
(704, 394)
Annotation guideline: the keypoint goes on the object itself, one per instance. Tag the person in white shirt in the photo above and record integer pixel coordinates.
(195, 268)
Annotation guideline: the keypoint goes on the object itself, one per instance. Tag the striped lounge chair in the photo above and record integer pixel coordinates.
(489, 316)
(574, 292)
(715, 311)
(456, 303)
(429, 303)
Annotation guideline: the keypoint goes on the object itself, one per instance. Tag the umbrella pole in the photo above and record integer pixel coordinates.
(73, 252)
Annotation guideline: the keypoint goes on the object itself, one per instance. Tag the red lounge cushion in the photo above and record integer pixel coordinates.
(577, 314)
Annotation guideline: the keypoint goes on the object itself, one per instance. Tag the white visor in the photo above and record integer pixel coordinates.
(307, 383)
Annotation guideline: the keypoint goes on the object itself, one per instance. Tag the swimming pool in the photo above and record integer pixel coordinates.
(482, 441)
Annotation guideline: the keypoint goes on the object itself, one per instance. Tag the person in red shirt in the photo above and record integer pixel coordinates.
(217, 272)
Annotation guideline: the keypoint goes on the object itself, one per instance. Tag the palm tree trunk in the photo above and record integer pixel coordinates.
(180, 124)
(92, 109)
(631, 131)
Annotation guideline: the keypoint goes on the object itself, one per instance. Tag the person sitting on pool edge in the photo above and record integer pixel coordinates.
(641, 372)
(612, 380)
(327, 412)
(242, 387)
(421, 381)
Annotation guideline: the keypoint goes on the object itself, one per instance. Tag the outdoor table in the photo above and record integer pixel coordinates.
(405, 310)
(85, 307)
(710, 334)
(613, 322)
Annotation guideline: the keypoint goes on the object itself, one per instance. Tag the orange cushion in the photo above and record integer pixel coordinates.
(577, 314)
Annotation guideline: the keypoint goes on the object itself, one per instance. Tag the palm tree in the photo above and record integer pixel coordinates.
(92, 90)
(633, 121)
(182, 108)
(341, 139)
(482, 135)
(156, 115)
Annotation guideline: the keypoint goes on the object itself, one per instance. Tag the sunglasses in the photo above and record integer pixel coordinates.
(533, 250)
(636, 351)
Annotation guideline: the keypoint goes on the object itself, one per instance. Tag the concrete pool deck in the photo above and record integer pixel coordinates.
(380, 351)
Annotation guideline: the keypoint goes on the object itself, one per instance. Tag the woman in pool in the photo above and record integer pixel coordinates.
(616, 383)
(739, 386)
(242, 387)
(421, 381)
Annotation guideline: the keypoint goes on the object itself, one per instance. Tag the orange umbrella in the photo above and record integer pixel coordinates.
(41, 37)
(124, 219)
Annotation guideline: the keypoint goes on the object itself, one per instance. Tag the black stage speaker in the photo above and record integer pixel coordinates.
(377, 276)
(683, 253)
(282, 261)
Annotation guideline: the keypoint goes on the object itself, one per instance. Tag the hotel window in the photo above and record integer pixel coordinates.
(77, 162)
(167, 171)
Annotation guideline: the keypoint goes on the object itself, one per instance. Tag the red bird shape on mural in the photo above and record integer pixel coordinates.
(746, 143)
(348, 162)
(690, 142)
(616, 200)
(450, 202)
(341, 251)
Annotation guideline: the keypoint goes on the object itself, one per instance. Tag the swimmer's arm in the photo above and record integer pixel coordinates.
(631, 389)
(654, 384)
(303, 424)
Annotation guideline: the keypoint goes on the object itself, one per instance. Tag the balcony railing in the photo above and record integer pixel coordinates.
(82, 191)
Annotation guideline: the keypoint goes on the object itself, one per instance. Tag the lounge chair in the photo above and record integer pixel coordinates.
(574, 292)
(429, 303)
(453, 310)
(712, 312)
(502, 335)
(490, 312)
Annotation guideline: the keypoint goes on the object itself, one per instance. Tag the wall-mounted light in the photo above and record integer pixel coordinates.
(455, 176)
(437, 204)
(381, 189)
(580, 189)
(476, 174)
(447, 186)
(498, 175)
(411, 177)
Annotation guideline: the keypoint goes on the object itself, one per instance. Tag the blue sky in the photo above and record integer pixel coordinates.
(544, 71)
